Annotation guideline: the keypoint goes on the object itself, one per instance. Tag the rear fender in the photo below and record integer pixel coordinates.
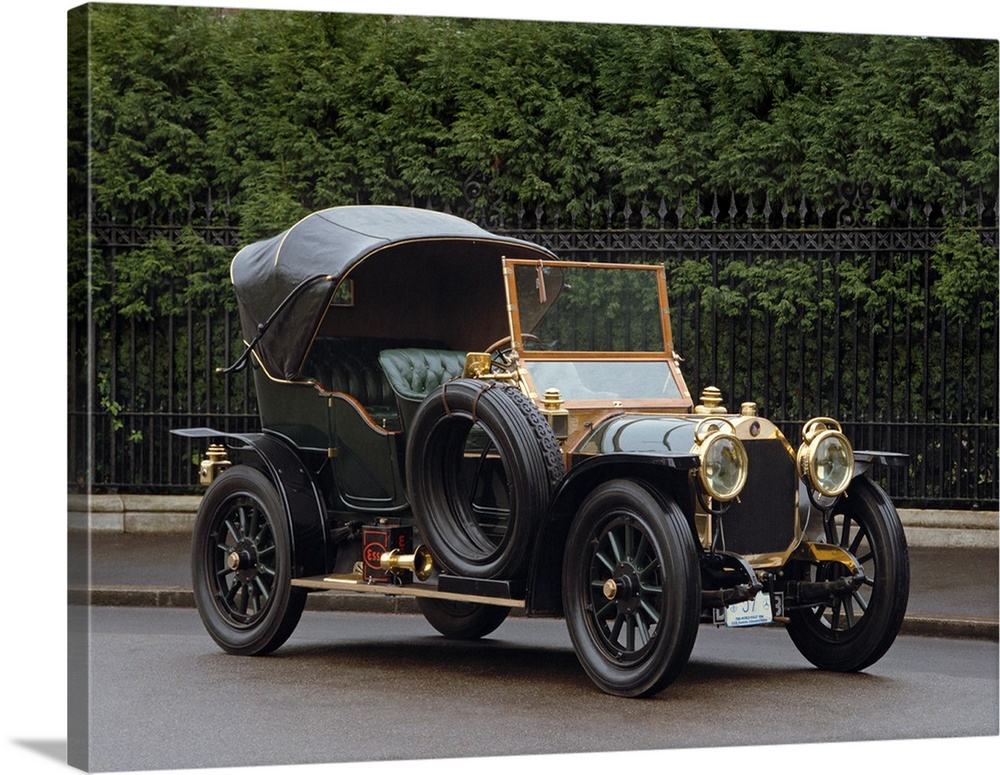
(296, 487)
(665, 475)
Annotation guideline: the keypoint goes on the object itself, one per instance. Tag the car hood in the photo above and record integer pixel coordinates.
(642, 434)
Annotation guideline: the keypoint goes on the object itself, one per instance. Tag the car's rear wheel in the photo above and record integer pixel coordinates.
(241, 564)
(462, 621)
(854, 629)
(631, 589)
(481, 462)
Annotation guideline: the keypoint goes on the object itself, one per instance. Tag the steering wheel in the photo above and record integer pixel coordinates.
(500, 350)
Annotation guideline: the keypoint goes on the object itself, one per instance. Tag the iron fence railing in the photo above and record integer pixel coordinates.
(900, 373)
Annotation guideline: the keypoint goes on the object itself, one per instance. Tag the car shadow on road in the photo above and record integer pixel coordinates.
(491, 661)
(504, 661)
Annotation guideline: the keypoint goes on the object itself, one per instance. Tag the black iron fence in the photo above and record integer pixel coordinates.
(806, 311)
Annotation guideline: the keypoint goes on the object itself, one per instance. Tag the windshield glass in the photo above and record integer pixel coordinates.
(581, 380)
(589, 308)
(596, 332)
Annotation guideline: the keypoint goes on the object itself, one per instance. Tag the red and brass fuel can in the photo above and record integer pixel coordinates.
(378, 539)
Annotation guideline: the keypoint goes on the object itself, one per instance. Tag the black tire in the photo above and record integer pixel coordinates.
(857, 630)
(462, 621)
(481, 462)
(252, 608)
(635, 643)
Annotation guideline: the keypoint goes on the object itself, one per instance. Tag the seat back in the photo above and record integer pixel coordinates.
(413, 372)
(351, 366)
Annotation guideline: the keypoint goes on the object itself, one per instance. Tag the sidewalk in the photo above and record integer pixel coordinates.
(142, 557)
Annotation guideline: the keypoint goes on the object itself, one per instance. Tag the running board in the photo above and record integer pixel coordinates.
(356, 583)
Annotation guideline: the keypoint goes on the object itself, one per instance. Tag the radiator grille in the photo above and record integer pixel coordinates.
(764, 518)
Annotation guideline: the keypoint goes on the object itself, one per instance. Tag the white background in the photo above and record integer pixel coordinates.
(32, 347)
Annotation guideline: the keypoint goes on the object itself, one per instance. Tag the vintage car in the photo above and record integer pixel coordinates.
(463, 418)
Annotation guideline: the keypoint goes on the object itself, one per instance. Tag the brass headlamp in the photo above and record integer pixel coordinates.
(723, 469)
(825, 459)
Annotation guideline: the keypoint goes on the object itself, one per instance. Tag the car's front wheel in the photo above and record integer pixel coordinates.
(854, 629)
(241, 564)
(631, 589)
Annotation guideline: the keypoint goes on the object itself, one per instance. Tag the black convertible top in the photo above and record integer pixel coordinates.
(284, 285)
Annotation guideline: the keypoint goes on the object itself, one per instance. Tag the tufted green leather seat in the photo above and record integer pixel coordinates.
(413, 372)
(351, 366)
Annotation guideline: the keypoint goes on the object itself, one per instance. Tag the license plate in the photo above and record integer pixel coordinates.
(750, 612)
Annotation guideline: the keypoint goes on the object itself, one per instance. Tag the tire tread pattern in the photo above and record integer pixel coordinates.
(529, 449)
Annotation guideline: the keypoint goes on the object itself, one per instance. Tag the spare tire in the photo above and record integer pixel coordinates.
(481, 463)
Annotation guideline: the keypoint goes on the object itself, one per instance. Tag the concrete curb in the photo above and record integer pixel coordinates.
(951, 529)
(132, 513)
(944, 626)
(125, 595)
(176, 514)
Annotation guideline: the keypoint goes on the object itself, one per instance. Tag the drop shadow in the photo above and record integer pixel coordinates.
(50, 749)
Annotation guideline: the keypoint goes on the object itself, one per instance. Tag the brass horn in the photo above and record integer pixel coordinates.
(420, 562)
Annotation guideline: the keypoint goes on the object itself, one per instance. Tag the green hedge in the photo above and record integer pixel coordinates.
(285, 112)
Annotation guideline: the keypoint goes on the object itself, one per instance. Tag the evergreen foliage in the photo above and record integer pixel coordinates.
(194, 116)
(270, 115)
(287, 112)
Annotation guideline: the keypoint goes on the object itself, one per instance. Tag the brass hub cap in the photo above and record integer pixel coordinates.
(242, 560)
(623, 588)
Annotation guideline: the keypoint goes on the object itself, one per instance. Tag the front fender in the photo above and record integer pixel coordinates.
(863, 462)
(865, 459)
(664, 474)
(296, 487)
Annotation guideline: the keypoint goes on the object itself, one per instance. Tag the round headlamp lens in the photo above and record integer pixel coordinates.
(724, 466)
(831, 463)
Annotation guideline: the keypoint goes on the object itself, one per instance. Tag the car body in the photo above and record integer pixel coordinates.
(464, 418)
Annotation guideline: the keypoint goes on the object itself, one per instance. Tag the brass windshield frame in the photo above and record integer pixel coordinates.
(665, 355)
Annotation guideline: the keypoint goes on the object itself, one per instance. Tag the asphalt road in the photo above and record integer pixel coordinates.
(356, 687)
